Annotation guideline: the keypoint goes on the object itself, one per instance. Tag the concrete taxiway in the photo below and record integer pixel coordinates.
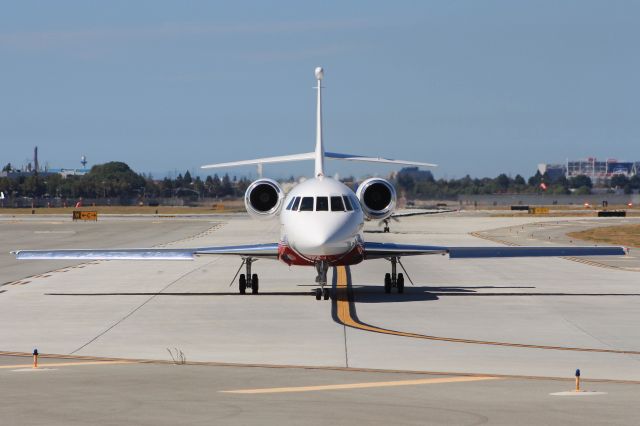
(486, 318)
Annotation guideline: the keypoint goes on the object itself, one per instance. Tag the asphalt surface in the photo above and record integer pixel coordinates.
(165, 394)
(32, 232)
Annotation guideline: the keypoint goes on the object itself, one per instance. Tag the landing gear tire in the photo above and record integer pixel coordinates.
(387, 283)
(254, 284)
(242, 283)
(400, 283)
(386, 229)
(325, 293)
(318, 293)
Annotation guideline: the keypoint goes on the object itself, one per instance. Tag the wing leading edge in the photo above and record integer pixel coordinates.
(268, 251)
(382, 250)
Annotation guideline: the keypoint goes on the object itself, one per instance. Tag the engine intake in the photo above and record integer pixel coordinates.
(263, 198)
(377, 198)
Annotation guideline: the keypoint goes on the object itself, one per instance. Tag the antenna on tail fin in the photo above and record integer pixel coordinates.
(319, 153)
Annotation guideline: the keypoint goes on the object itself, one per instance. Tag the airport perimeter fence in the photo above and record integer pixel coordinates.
(504, 200)
(28, 202)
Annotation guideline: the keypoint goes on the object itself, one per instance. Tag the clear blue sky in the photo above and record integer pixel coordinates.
(480, 87)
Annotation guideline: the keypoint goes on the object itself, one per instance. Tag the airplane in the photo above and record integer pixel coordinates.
(322, 224)
(397, 215)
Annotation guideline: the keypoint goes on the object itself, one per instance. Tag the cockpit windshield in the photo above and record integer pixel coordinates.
(334, 203)
(306, 205)
(322, 204)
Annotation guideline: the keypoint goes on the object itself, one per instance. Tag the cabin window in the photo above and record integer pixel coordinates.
(347, 203)
(296, 203)
(336, 204)
(322, 204)
(306, 205)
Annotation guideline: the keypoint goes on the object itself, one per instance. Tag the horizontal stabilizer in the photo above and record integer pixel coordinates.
(311, 156)
(352, 157)
(266, 160)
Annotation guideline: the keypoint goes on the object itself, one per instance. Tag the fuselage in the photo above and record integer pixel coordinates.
(321, 220)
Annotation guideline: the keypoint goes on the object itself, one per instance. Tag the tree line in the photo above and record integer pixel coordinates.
(117, 180)
(420, 184)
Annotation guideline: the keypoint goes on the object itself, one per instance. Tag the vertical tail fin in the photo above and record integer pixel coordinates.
(319, 153)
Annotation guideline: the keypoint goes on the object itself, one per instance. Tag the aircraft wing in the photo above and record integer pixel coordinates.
(420, 212)
(269, 251)
(384, 250)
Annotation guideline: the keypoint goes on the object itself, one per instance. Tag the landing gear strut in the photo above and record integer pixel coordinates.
(249, 280)
(386, 225)
(394, 279)
(322, 293)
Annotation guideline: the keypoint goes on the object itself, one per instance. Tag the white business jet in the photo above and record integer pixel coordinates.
(322, 221)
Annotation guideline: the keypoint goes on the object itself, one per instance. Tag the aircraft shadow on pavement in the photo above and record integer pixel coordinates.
(262, 293)
(375, 293)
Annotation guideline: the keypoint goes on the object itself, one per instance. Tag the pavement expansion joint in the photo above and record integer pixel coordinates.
(577, 393)
(99, 360)
(33, 370)
(149, 299)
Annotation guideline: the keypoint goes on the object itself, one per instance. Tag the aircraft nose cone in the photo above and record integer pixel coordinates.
(314, 239)
(321, 240)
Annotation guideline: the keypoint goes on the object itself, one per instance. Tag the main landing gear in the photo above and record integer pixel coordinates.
(248, 281)
(393, 279)
(322, 293)
(386, 225)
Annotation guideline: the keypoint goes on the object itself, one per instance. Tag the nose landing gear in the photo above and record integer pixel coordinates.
(394, 279)
(322, 293)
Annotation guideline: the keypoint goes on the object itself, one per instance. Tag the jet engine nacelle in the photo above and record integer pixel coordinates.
(377, 198)
(263, 198)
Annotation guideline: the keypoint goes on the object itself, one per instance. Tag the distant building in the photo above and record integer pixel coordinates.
(31, 170)
(598, 170)
(70, 172)
(17, 174)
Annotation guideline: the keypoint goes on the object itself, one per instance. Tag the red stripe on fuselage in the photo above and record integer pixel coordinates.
(292, 257)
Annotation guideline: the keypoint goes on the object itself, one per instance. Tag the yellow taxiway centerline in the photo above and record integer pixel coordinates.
(64, 364)
(347, 318)
(363, 385)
